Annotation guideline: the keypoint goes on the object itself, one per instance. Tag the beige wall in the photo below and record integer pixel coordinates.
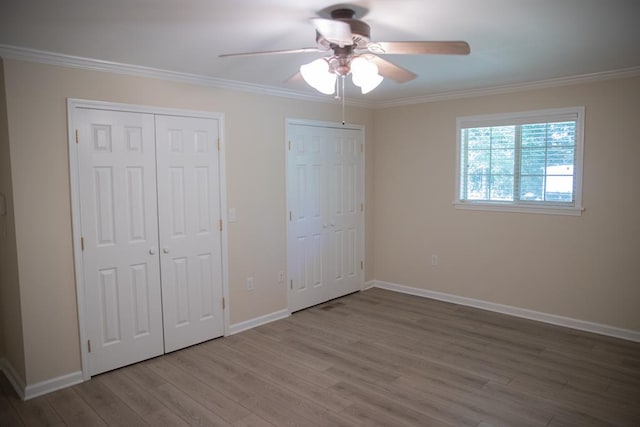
(11, 343)
(254, 134)
(580, 267)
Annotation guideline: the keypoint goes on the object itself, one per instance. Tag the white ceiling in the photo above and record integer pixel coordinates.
(512, 41)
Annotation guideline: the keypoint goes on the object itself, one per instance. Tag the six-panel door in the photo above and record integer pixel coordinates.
(116, 156)
(325, 193)
(190, 235)
(149, 204)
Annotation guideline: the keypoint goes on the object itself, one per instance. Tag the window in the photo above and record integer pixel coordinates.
(521, 162)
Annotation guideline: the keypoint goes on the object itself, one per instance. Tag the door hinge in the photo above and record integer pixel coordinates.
(289, 145)
(223, 305)
(77, 137)
(82, 243)
(361, 265)
(220, 225)
(290, 216)
(362, 148)
(89, 345)
(361, 207)
(291, 284)
(218, 144)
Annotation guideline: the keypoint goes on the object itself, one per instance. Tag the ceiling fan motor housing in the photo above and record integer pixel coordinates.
(359, 29)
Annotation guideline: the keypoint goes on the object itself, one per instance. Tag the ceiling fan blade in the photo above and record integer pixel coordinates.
(273, 52)
(297, 77)
(420, 48)
(390, 70)
(334, 31)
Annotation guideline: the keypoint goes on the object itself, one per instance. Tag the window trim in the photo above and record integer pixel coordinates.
(519, 118)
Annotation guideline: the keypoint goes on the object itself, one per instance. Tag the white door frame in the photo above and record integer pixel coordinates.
(323, 124)
(72, 105)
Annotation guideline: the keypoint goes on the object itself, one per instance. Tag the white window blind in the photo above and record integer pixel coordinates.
(525, 162)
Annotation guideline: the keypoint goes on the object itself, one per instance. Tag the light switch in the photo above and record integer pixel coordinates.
(232, 216)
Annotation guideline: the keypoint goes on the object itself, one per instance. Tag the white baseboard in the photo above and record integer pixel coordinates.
(44, 387)
(257, 321)
(553, 319)
(368, 285)
(26, 392)
(13, 377)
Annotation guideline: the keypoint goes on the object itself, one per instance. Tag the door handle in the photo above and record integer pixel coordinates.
(324, 225)
(152, 251)
(165, 250)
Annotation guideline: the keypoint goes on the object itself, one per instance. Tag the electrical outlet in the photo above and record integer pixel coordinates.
(434, 259)
(281, 277)
(250, 283)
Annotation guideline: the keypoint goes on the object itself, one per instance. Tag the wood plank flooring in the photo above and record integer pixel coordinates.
(374, 358)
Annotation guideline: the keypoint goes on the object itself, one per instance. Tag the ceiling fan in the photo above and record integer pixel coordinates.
(353, 52)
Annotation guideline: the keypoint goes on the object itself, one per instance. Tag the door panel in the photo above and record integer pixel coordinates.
(307, 237)
(324, 193)
(345, 200)
(116, 167)
(190, 238)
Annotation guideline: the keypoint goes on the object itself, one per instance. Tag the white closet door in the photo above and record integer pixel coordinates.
(345, 211)
(324, 194)
(190, 237)
(116, 155)
(306, 187)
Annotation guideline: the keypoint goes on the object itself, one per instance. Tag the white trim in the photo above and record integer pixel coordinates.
(368, 285)
(257, 321)
(519, 208)
(58, 59)
(135, 108)
(222, 172)
(72, 106)
(323, 124)
(76, 232)
(552, 319)
(13, 377)
(51, 58)
(48, 386)
(511, 88)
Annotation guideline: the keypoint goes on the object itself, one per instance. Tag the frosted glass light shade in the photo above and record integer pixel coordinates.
(318, 76)
(365, 74)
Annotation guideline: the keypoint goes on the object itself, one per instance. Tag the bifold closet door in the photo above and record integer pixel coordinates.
(345, 211)
(325, 195)
(307, 227)
(189, 224)
(117, 184)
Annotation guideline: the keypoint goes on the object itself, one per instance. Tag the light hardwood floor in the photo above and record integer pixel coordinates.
(374, 358)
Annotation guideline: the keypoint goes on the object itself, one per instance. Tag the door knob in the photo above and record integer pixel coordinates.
(165, 250)
(324, 225)
(152, 251)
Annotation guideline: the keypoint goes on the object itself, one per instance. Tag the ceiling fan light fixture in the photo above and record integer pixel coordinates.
(365, 74)
(318, 75)
(371, 83)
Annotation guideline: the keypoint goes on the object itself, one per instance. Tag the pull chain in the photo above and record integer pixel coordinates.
(343, 122)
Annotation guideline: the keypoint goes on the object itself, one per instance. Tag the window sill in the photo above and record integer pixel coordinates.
(519, 208)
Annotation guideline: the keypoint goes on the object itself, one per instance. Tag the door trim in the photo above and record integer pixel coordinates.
(72, 105)
(288, 207)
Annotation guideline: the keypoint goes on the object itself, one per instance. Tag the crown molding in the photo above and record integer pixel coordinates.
(510, 88)
(51, 58)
